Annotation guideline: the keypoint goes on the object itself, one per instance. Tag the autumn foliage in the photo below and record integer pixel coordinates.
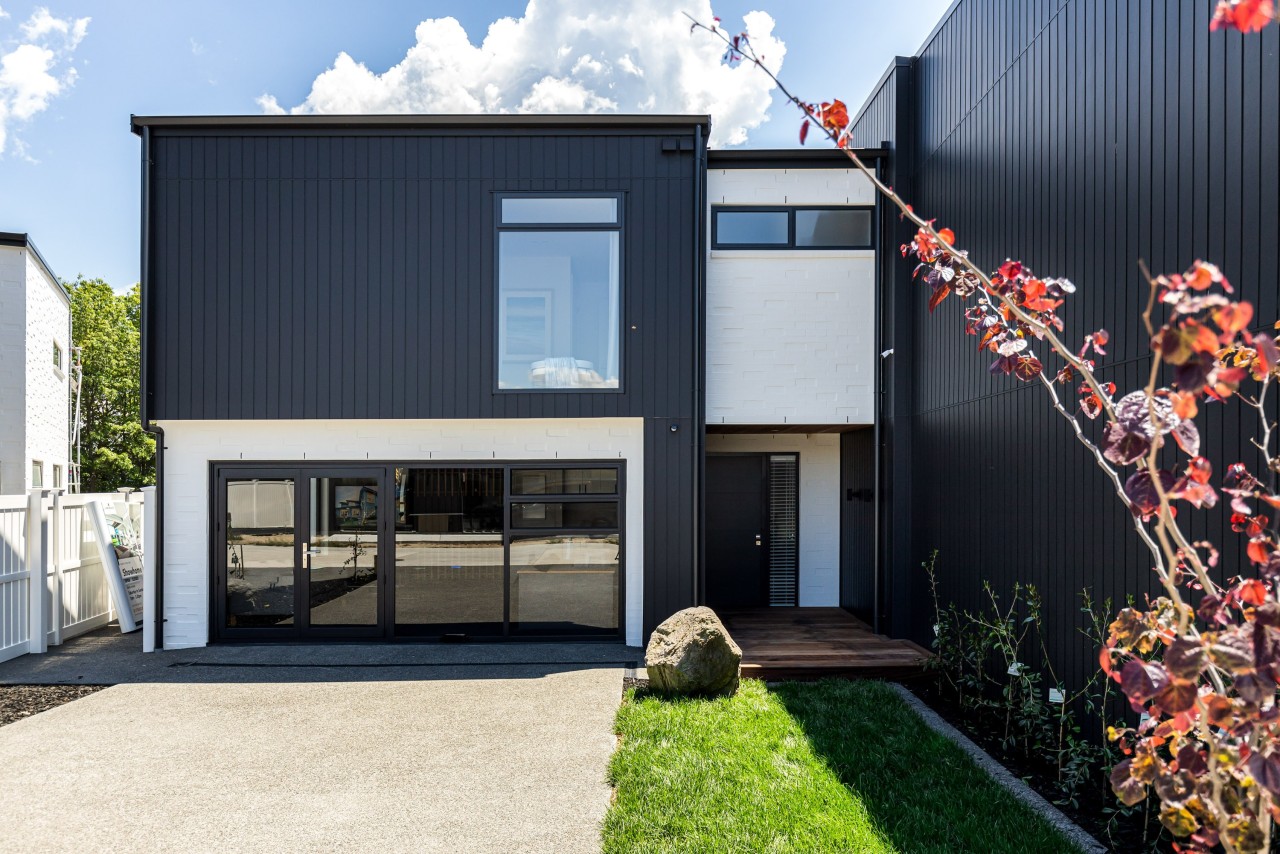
(1200, 664)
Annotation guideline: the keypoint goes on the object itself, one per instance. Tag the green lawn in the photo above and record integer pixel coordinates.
(826, 766)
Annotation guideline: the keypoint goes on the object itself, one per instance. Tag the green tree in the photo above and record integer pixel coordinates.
(114, 450)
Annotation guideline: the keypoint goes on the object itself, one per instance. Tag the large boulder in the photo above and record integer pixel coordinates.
(692, 653)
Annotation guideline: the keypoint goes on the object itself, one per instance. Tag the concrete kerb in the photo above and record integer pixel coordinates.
(1002, 775)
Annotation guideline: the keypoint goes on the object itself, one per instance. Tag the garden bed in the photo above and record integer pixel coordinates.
(23, 701)
(818, 766)
(1094, 808)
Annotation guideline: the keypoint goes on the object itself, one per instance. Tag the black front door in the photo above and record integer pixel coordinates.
(737, 531)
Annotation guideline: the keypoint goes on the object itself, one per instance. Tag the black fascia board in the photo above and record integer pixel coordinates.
(23, 241)
(407, 121)
(790, 158)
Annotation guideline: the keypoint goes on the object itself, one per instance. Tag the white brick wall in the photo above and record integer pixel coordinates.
(13, 359)
(790, 333)
(48, 321)
(789, 187)
(34, 312)
(819, 504)
(191, 445)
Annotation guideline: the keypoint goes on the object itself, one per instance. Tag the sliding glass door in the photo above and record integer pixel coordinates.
(418, 550)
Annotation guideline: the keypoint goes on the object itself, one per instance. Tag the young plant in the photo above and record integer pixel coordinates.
(1201, 662)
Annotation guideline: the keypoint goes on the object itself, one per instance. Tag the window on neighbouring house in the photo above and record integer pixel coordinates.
(57, 477)
(791, 227)
(559, 292)
(37, 474)
(57, 356)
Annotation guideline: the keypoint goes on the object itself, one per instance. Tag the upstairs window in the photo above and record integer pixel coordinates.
(791, 227)
(559, 292)
(57, 356)
(37, 474)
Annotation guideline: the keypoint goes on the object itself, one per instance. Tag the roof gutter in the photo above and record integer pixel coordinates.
(144, 279)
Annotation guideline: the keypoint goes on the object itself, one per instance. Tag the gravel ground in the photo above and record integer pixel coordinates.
(23, 701)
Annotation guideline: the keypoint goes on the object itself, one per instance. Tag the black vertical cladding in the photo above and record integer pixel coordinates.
(886, 121)
(1079, 140)
(857, 523)
(346, 270)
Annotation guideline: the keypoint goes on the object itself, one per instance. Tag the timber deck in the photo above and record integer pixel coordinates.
(814, 643)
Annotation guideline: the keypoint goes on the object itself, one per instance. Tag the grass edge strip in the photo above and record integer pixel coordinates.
(1016, 787)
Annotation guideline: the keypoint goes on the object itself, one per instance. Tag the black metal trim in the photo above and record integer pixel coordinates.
(790, 211)
(789, 158)
(22, 240)
(144, 411)
(387, 629)
(519, 124)
(618, 226)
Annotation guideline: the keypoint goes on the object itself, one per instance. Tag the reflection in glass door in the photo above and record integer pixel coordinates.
(259, 553)
(449, 551)
(340, 553)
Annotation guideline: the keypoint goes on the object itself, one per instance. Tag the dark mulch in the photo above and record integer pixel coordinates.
(23, 701)
(634, 682)
(1094, 809)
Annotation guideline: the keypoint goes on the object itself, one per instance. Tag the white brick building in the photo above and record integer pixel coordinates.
(790, 365)
(35, 352)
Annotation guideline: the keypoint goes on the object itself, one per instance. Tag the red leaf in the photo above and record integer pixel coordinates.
(1252, 592)
(1011, 269)
(938, 295)
(1027, 368)
(1247, 16)
(1266, 770)
(1259, 550)
(1234, 317)
(1177, 697)
(1141, 680)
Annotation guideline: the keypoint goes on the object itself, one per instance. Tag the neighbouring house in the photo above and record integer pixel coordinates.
(1079, 137)
(35, 359)
(502, 376)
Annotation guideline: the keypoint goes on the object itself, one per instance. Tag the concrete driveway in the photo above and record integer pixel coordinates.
(486, 758)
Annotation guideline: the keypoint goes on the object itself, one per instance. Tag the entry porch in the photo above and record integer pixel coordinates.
(813, 643)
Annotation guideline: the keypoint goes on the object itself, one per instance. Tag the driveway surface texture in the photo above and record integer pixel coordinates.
(316, 752)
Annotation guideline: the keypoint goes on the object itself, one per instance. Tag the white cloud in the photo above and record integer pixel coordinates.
(563, 56)
(36, 70)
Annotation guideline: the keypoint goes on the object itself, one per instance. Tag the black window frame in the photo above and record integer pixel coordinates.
(619, 226)
(220, 471)
(790, 211)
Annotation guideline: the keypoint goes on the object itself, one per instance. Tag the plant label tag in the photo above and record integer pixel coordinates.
(1015, 669)
(1055, 696)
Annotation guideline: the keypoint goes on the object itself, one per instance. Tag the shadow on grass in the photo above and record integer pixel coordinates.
(921, 791)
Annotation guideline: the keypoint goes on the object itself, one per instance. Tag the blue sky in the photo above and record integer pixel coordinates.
(69, 167)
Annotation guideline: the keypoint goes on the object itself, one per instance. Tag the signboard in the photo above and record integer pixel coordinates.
(120, 545)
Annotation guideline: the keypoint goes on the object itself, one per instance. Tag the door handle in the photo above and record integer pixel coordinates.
(759, 541)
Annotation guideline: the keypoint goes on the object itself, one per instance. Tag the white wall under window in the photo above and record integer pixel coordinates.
(790, 333)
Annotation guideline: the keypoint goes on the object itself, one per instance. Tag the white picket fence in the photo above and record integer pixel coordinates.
(51, 533)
